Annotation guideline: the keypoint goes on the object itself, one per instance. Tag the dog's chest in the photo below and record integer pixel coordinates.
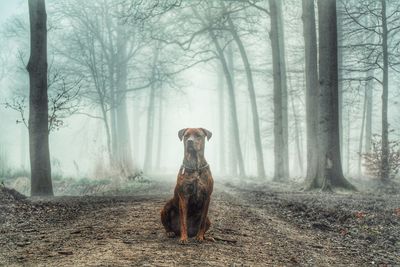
(195, 186)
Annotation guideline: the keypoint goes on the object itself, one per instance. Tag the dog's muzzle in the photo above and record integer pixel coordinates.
(190, 145)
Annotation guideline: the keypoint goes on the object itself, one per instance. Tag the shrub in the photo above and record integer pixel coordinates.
(373, 159)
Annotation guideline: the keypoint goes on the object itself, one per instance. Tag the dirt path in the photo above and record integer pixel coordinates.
(119, 231)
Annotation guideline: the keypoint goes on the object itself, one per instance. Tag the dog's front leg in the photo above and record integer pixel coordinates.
(183, 205)
(203, 220)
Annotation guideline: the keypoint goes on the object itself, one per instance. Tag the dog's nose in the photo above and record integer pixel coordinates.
(190, 142)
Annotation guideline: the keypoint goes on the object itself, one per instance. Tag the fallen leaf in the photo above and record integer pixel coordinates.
(360, 214)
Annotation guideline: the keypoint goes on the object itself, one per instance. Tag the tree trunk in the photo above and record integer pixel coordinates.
(253, 101)
(340, 20)
(148, 159)
(41, 184)
(160, 129)
(23, 146)
(100, 90)
(135, 132)
(108, 136)
(330, 174)
(385, 86)
(125, 163)
(280, 95)
(368, 122)
(360, 145)
(232, 100)
(221, 119)
(297, 136)
(233, 162)
(285, 121)
(312, 87)
(113, 115)
(369, 88)
(348, 137)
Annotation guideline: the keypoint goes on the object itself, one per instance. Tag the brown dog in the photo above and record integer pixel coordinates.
(186, 213)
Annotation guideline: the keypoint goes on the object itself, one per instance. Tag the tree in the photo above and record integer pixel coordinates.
(385, 97)
(280, 93)
(124, 155)
(160, 129)
(253, 99)
(41, 184)
(232, 100)
(148, 159)
(372, 36)
(221, 118)
(232, 158)
(312, 89)
(207, 25)
(329, 174)
(106, 47)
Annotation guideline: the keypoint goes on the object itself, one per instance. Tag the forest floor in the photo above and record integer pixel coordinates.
(253, 224)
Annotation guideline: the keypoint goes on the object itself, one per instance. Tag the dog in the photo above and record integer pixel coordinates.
(185, 215)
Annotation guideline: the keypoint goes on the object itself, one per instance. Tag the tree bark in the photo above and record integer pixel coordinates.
(136, 128)
(233, 162)
(312, 87)
(297, 136)
(280, 94)
(369, 99)
(108, 136)
(100, 90)
(124, 157)
(148, 159)
(348, 137)
(232, 100)
(330, 174)
(253, 101)
(221, 119)
(111, 58)
(340, 20)
(41, 184)
(23, 146)
(385, 93)
(360, 145)
(160, 129)
(113, 115)
(285, 120)
(368, 122)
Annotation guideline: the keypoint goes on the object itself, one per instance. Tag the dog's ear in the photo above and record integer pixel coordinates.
(207, 133)
(181, 133)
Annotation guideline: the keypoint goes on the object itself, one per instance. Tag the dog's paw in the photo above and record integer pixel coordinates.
(200, 238)
(170, 234)
(183, 241)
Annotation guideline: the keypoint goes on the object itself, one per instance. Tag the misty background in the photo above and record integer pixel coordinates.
(188, 95)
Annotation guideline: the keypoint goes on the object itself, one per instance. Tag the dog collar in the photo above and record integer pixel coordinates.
(193, 169)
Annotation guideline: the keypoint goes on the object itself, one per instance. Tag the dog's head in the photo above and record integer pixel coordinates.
(194, 138)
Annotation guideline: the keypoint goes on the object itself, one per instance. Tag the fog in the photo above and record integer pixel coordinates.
(135, 132)
(188, 98)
